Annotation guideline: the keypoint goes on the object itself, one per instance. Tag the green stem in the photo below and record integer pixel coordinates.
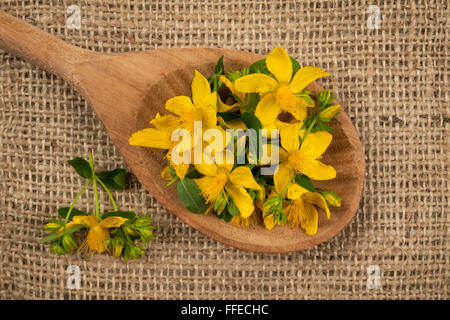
(94, 180)
(109, 193)
(309, 129)
(97, 207)
(285, 188)
(73, 204)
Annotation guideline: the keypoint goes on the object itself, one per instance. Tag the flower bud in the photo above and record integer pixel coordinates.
(146, 234)
(142, 222)
(332, 199)
(329, 113)
(135, 252)
(52, 226)
(165, 174)
(56, 248)
(68, 244)
(129, 230)
(117, 247)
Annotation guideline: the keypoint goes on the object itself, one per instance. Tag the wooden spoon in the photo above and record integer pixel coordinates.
(127, 90)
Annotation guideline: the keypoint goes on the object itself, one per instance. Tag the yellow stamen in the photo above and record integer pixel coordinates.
(286, 98)
(246, 222)
(212, 191)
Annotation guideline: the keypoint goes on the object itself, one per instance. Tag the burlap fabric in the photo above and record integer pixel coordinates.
(392, 81)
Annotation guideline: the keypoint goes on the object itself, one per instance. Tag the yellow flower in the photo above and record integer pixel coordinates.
(221, 176)
(202, 107)
(280, 94)
(304, 158)
(98, 231)
(303, 212)
(160, 137)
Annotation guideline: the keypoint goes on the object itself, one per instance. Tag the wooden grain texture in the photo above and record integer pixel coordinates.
(127, 90)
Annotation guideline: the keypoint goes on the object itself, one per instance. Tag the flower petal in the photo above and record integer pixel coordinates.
(200, 88)
(211, 187)
(89, 221)
(243, 177)
(181, 169)
(316, 170)
(269, 222)
(112, 222)
(230, 85)
(254, 83)
(282, 176)
(315, 144)
(209, 116)
(284, 155)
(95, 240)
(310, 219)
(152, 138)
(279, 63)
(267, 110)
(165, 174)
(225, 160)
(165, 122)
(298, 109)
(204, 183)
(69, 225)
(179, 105)
(232, 124)
(295, 191)
(305, 76)
(271, 154)
(241, 199)
(318, 200)
(206, 169)
(289, 137)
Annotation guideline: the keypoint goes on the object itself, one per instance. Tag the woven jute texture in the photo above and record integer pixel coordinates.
(391, 80)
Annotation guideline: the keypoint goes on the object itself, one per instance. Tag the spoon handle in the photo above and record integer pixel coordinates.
(40, 48)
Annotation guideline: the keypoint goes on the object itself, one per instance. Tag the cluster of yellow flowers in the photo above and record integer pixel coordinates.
(290, 122)
(116, 232)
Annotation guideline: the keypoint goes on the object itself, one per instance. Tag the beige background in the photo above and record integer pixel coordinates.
(392, 81)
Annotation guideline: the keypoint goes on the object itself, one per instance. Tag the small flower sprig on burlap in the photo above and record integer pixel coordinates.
(116, 232)
(269, 180)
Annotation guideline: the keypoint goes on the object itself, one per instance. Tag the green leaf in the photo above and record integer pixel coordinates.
(304, 182)
(226, 216)
(232, 209)
(62, 212)
(124, 214)
(251, 121)
(114, 179)
(82, 167)
(295, 66)
(190, 196)
(54, 236)
(228, 116)
(252, 101)
(259, 67)
(219, 68)
(50, 237)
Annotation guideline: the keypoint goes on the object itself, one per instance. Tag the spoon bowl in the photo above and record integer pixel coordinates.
(127, 90)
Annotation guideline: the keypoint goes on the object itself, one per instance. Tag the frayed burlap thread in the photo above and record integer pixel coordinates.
(391, 80)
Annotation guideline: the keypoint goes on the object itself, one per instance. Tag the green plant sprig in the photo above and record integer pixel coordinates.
(125, 236)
